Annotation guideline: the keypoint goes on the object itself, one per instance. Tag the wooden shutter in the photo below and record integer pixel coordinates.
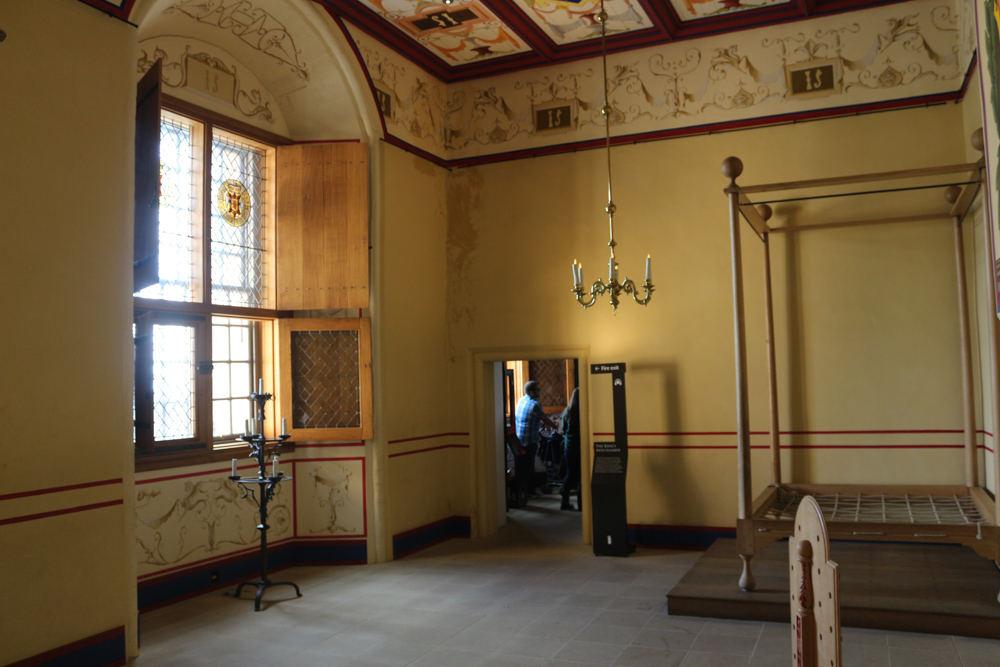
(322, 220)
(144, 382)
(146, 249)
(324, 376)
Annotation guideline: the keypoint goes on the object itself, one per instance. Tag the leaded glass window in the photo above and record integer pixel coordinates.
(180, 211)
(237, 223)
(233, 372)
(173, 381)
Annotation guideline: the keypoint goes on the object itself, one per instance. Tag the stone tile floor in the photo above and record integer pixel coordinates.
(532, 595)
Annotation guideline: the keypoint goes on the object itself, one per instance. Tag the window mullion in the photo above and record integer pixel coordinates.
(206, 215)
(203, 383)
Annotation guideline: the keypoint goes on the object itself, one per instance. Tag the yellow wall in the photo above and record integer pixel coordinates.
(867, 337)
(417, 397)
(65, 350)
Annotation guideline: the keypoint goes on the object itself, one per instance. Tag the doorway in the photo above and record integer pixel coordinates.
(499, 378)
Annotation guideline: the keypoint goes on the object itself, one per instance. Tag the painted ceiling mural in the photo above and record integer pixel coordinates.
(879, 56)
(458, 33)
(689, 10)
(566, 21)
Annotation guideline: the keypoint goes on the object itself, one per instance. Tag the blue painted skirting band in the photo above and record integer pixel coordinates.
(421, 538)
(217, 575)
(680, 537)
(107, 648)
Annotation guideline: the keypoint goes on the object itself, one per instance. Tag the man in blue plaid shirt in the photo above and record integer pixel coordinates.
(529, 418)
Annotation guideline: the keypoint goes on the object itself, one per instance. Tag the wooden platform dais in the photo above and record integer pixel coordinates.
(939, 589)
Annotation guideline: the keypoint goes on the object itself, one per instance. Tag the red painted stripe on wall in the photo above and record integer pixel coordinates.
(803, 447)
(60, 489)
(427, 437)
(220, 471)
(874, 432)
(428, 449)
(359, 443)
(69, 510)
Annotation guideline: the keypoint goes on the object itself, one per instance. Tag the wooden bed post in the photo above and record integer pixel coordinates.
(991, 304)
(968, 392)
(772, 371)
(732, 167)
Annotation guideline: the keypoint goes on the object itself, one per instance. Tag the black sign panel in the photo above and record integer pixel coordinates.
(610, 461)
(813, 79)
(384, 102)
(607, 483)
(445, 19)
(553, 118)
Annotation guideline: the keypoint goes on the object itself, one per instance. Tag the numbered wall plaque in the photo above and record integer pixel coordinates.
(816, 78)
(557, 116)
(384, 99)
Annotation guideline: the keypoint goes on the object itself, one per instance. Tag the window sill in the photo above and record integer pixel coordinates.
(163, 461)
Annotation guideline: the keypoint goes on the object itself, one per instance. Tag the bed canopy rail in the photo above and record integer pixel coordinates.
(759, 522)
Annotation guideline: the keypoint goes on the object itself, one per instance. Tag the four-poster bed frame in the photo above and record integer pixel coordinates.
(937, 514)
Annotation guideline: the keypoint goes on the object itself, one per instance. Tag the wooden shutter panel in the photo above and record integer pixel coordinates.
(146, 249)
(324, 374)
(322, 220)
(144, 382)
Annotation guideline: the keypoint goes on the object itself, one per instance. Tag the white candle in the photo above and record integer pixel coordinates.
(579, 272)
(649, 273)
(614, 273)
(575, 281)
(234, 468)
(284, 426)
(260, 386)
(274, 467)
(246, 427)
(611, 270)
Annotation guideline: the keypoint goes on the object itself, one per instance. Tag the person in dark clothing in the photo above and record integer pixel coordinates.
(571, 443)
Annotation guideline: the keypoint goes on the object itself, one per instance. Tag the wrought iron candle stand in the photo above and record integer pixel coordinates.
(262, 449)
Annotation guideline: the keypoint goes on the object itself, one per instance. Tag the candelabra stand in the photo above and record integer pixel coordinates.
(264, 450)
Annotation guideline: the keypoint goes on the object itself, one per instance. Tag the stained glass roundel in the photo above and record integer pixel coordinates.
(234, 203)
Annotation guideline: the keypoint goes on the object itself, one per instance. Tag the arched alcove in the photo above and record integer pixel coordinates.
(286, 67)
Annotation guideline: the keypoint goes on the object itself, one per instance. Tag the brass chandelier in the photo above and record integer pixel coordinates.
(612, 287)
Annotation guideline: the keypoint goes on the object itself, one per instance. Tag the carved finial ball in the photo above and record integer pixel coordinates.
(732, 167)
(977, 140)
(611, 208)
(764, 211)
(951, 193)
(602, 16)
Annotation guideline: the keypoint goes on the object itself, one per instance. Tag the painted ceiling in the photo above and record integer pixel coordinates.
(458, 40)
(466, 39)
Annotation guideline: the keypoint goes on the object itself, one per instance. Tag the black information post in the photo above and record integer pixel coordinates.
(607, 485)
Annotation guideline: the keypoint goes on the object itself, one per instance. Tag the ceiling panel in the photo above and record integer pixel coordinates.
(568, 21)
(467, 39)
(459, 33)
(690, 10)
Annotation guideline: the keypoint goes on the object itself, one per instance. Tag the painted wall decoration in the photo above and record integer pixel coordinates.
(568, 22)
(255, 27)
(688, 10)
(879, 55)
(210, 72)
(185, 520)
(330, 500)
(201, 517)
(462, 32)
(416, 98)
